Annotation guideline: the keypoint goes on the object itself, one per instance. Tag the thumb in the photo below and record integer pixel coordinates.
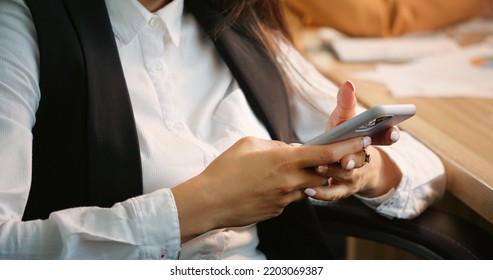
(346, 105)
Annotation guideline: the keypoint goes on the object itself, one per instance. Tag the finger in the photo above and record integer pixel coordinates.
(349, 162)
(310, 179)
(310, 156)
(332, 193)
(387, 137)
(346, 105)
(311, 192)
(337, 174)
(298, 195)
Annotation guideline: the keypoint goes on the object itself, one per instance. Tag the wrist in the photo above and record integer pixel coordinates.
(383, 174)
(195, 208)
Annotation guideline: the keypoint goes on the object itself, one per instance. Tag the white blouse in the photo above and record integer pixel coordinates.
(188, 109)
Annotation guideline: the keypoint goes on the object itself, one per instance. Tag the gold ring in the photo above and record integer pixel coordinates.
(367, 158)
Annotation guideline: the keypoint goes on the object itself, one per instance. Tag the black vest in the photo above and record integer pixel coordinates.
(85, 147)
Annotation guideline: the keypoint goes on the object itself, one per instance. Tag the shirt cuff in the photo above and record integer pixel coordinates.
(384, 204)
(375, 202)
(159, 225)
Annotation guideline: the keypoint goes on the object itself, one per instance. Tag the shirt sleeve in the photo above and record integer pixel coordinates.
(313, 98)
(144, 227)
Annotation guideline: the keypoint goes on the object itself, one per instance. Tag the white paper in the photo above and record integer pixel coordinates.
(453, 74)
(396, 49)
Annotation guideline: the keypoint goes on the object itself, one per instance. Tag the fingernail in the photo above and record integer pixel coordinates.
(310, 192)
(322, 169)
(366, 141)
(394, 136)
(350, 165)
(350, 85)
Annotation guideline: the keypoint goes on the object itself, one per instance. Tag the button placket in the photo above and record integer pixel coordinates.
(156, 43)
(158, 66)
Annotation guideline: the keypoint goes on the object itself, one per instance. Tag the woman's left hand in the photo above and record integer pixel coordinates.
(369, 173)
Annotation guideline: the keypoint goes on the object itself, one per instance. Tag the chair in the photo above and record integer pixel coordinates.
(432, 235)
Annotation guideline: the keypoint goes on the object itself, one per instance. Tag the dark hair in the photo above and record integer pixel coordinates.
(260, 20)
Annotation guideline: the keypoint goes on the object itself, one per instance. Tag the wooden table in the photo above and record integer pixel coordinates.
(459, 130)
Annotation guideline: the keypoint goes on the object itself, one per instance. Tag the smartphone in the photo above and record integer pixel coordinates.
(368, 123)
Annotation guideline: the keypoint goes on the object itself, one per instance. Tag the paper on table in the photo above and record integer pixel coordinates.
(388, 49)
(463, 73)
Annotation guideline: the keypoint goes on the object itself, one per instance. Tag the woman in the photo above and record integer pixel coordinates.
(209, 170)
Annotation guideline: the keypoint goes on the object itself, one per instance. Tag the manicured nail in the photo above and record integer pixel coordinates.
(310, 192)
(350, 85)
(394, 136)
(350, 165)
(322, 169)
(366, 141)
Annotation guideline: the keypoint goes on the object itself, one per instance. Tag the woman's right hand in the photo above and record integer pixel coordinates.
(252, 181)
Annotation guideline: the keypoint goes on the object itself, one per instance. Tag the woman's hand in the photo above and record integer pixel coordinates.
(253, 181)
(356, 173)
(346, 109)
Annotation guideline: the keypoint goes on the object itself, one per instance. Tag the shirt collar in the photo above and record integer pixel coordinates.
(128, 17)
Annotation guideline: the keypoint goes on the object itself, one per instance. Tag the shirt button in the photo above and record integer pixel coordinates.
(154, 22)
(178, 127)
(158, 66)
